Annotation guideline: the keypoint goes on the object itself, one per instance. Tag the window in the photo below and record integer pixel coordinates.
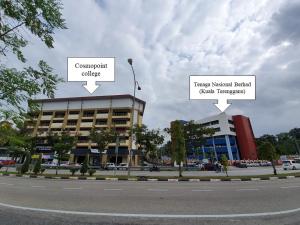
(60, 114)
(102, 111)
(72, 122)
(101, 122)
(214, 122)
(120, 121)
(120, 113)
(85, 128)
(74, 112)
(87, 120)
(88, 113)
(45, 123)
(217, 129)
(230, 121)
(47, 113)
(232, 129)
(57, 121)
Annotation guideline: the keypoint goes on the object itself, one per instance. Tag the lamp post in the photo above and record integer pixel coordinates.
(135, 83)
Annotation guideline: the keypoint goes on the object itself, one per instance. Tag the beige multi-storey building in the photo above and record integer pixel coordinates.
(79, 115)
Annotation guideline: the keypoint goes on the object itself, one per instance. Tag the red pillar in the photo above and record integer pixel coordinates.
(245, 137)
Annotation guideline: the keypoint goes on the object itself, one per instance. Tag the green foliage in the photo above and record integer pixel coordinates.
(61, 144)
(224, 163)
(85, 166)
(91, 172)
(102, 137)
(268, 152)
(37, 167)
(26, 163)
(178, 143)
(73, 170)
(286, 143)
(149, 140)
(41, 18)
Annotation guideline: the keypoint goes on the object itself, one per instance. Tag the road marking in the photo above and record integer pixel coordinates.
(248, 189)
(290, 187)
(202, 190)
(157, 189)
(79, 188)
(153, 215)
(38, 186)
(113, 189)
(7, 184)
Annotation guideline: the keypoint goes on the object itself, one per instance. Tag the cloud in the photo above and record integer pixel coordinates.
(170, 40)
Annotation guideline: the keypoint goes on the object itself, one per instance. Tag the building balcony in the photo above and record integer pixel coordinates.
(102, 115)
(86, 124)
(127, 124)
(84, 133)
(48, 117)
(56, 125)
(83, 144)
(100, 125)
(73, 116)
(127, 116)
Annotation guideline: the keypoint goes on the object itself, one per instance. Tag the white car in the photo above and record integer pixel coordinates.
(122, 166)
(110, 166)
(291, 164)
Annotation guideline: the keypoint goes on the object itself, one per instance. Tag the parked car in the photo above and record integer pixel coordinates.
(154, 168)
(7, 162)
(208, 167)
(241, 165)
(122, 166)
(109, 166)
(291, 164)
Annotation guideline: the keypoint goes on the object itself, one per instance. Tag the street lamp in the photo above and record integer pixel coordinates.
(136, 84)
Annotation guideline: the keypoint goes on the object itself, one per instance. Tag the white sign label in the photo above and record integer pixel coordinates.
(222, 88)
(91, 70)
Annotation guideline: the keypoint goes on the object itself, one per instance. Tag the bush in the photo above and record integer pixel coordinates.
(73, 170)
(85, 166)
(25, 165)
(91, 172)
(18, 169)
(43, 170)
(37, 167)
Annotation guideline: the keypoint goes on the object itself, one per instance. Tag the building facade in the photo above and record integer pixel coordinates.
(78, 116)
(233, 137)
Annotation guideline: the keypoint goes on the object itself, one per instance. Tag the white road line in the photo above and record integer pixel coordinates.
(113, 189)
(70, 188)
(153, 215)
(38, 186)
(290, 187)
(201, 190)
(248, 189)
(157, 189)
(7, 184)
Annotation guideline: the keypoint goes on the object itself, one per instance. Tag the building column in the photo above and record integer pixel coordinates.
(228, 147)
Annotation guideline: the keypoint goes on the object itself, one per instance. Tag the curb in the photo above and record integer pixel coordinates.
(153, 179)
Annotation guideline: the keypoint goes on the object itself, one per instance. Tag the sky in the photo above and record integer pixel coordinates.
(170, 40)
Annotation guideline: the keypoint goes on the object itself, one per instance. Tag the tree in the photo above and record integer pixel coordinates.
(38, 166)
(41, 18)
(177, 144)
(224, 163)
(85, 166)
(26, 163)
(194, 134)
(62, 144)
(102, 138)
(268, 152)
(149, 140)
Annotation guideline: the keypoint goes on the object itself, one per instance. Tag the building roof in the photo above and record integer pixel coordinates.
(89, 98)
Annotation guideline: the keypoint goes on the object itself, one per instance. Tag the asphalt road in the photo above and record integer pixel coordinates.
(124, 202)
